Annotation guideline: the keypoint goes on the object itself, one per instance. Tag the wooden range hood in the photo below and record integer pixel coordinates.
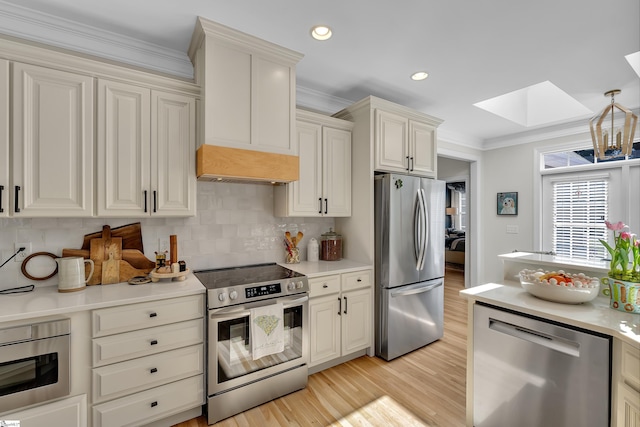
(216, 163)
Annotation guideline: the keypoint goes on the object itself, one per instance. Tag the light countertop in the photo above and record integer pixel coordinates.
(595, 315)
(323, 268)
(46, 300)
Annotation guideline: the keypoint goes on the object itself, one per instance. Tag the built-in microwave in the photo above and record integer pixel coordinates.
(34, 363)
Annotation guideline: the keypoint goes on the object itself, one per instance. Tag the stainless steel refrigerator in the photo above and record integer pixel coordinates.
(409, 265)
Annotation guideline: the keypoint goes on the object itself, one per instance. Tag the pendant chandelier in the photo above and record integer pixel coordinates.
(616, 139)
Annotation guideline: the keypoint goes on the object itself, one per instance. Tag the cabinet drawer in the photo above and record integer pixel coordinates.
(132, 317)
(121, 347)
(630, 367)
(128, 377)
(357, 280)
(151, 405)
(325, 285)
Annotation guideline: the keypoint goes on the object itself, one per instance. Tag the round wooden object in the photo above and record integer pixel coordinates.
(179, 276)
(27, 259)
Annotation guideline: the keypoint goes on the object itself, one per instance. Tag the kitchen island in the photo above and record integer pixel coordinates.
(595, 316)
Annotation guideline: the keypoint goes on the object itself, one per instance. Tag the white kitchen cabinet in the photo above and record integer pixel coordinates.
(248, 89)
(148, 361)
(52, 142)
(404, 145)
(4, 138)
(340, 315)
(626, 385)
(68, 412)
(146, 152)
(324, 186)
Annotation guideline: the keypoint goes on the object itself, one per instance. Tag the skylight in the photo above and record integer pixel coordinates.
(540, 104)
(634, 60)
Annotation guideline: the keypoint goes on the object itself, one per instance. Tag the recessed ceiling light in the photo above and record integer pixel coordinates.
(420, 75)
(321, 32)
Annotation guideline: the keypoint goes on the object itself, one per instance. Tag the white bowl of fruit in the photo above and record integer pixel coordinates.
(558, 286)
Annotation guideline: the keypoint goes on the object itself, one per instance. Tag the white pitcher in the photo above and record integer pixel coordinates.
(71, 273)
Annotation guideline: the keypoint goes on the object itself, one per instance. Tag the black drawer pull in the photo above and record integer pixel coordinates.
(154, 314)
(325, 286)
(359, 280)
(154, 404)
(154, 370)
(154, 342)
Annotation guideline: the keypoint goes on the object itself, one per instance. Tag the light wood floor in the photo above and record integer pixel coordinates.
(423, 388)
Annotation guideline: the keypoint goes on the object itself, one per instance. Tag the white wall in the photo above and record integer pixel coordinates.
(234, 225)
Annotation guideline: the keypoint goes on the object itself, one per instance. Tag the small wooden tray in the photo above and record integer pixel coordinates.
(179, 276)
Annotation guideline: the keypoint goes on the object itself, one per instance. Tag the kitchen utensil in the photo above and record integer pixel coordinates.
(127, 271)
(131, 235)
(99, 251)
(71, 273)
(110, 270)
(132, 256)
(173, 249)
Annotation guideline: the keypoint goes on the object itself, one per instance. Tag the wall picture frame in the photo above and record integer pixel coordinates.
(507, 203)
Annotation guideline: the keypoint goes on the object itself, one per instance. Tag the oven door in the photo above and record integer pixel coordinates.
(230, 361)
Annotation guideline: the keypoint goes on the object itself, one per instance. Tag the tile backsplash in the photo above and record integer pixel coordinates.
(234, 225)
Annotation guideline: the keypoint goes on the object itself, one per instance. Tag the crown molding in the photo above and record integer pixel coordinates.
(311, 99)
(24, 23)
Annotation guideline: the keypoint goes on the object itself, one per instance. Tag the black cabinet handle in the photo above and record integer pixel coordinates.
(326, 206)
(154, 404)
(17, 204)
(154, 314)
(153, 370)
(154, 342)
(320, 201)
(339, 306)
(408, 164)
(411, 164)
(345, 305)
(155, 201)
(145, 200)
(325, 286)
(359, 279)
(1, 188)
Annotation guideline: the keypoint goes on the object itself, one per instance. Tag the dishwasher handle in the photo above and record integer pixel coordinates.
(562, 345)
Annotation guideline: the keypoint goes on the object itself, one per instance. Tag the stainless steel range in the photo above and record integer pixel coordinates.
(257, 336)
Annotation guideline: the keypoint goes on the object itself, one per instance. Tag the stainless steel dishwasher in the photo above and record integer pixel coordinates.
(531, 372)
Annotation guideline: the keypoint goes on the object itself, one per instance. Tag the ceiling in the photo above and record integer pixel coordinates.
(472, 50)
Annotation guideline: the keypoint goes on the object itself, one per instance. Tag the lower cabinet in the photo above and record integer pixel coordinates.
(69, 412)
(626, 385)
(148, 361)
(340, 315)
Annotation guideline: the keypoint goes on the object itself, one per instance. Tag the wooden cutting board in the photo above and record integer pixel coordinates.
(133, 256)
(105, 249)
(130, 234)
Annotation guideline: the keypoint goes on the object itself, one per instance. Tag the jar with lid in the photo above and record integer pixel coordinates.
(331, 246)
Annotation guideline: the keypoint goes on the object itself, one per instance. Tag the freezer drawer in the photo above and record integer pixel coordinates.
(410, 317)
(530, 372)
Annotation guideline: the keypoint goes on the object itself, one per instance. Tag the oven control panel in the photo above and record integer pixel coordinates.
(264, 290)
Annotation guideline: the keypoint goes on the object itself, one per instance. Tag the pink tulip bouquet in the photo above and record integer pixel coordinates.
(625, 255)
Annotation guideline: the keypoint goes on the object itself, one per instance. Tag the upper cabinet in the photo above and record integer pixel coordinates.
(52, 142)
(404, 144)
(324, 186)
(146, 151)
(4, 138)
(248, 89)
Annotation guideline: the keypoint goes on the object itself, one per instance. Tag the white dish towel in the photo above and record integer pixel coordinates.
(267, 330)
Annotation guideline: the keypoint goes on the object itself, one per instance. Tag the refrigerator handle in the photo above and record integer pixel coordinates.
(417, 244)
(420, 230)
(425, 241)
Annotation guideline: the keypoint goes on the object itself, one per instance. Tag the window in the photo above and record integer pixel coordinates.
(580, 208)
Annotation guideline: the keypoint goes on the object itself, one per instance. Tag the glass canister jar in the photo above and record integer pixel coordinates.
(331, 246)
